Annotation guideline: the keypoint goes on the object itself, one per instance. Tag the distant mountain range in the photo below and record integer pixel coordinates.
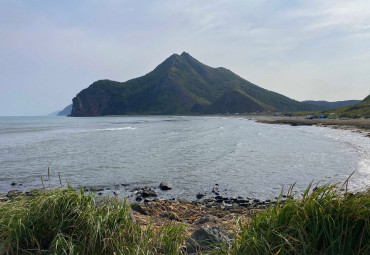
(361, 109)
(54, 113)
(182, 85)
(331, 105)
(66, 111)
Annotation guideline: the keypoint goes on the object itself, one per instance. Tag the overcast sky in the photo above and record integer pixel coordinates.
(308, 49)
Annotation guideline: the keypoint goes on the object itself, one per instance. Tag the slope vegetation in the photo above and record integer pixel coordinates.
(332, 105)
(181, 85)
(359, 110)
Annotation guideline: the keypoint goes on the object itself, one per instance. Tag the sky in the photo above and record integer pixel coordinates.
(304, 49)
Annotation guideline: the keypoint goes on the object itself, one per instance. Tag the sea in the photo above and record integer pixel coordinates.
(120, 154)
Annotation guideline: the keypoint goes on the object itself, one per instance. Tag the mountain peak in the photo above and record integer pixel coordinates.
(180, 85)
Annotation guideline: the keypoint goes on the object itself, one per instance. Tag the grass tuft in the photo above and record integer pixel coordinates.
(324, 221)
(65, 221)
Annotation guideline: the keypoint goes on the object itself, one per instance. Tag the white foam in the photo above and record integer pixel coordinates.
(361, 177)
(116, 129)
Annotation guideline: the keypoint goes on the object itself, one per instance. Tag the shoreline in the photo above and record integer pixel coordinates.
(157, 211)
(355, 125)
(195, 215)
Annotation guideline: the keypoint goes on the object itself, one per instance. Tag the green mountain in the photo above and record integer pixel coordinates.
(332, 105)
(359, 110)
(181, 85)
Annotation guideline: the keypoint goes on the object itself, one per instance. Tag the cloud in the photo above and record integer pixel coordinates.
(64, 46)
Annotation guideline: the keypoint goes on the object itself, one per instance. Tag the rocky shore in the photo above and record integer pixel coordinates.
(355, 125)
(213, 218)
(211, 223)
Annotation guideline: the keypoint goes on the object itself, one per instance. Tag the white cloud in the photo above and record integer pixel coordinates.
(276, 44)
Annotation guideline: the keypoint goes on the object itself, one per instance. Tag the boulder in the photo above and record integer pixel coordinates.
(183, 201)
(14, 193)
(204, 239)
(3, 198)
(148, 193)
(206, 219)
(169, 215)
(138, 208)
(165, 186)
(200, 196)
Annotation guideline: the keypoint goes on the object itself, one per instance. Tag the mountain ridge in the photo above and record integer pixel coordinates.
(181, 85)
(361, 109)
(332, 105)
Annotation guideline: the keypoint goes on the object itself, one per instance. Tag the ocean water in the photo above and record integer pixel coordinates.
(243, 157)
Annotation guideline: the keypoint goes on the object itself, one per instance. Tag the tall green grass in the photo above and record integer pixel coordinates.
(64, 221)
(324, 221)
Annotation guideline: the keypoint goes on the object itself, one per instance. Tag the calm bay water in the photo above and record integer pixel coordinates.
(193, 153)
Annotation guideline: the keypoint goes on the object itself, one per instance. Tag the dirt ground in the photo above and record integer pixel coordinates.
(194, 215)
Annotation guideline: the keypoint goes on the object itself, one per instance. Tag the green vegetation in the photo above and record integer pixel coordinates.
(332, 105)
(359, 110)
(322, 222)
(69, 222)
(181, 85)
(326, 220)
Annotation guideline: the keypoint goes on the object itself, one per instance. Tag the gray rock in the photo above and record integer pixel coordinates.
(184, 201)
(3, 199)
(209, 200)
(244, 204)
(138, 208)
(14, 193)
(148, 200)
(165, 186)
(169, 215)
(204, 239)
(148, 193)
(206, 219)
(200, 196)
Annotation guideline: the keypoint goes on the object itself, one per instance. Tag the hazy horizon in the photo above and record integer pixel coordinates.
(306, 50)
